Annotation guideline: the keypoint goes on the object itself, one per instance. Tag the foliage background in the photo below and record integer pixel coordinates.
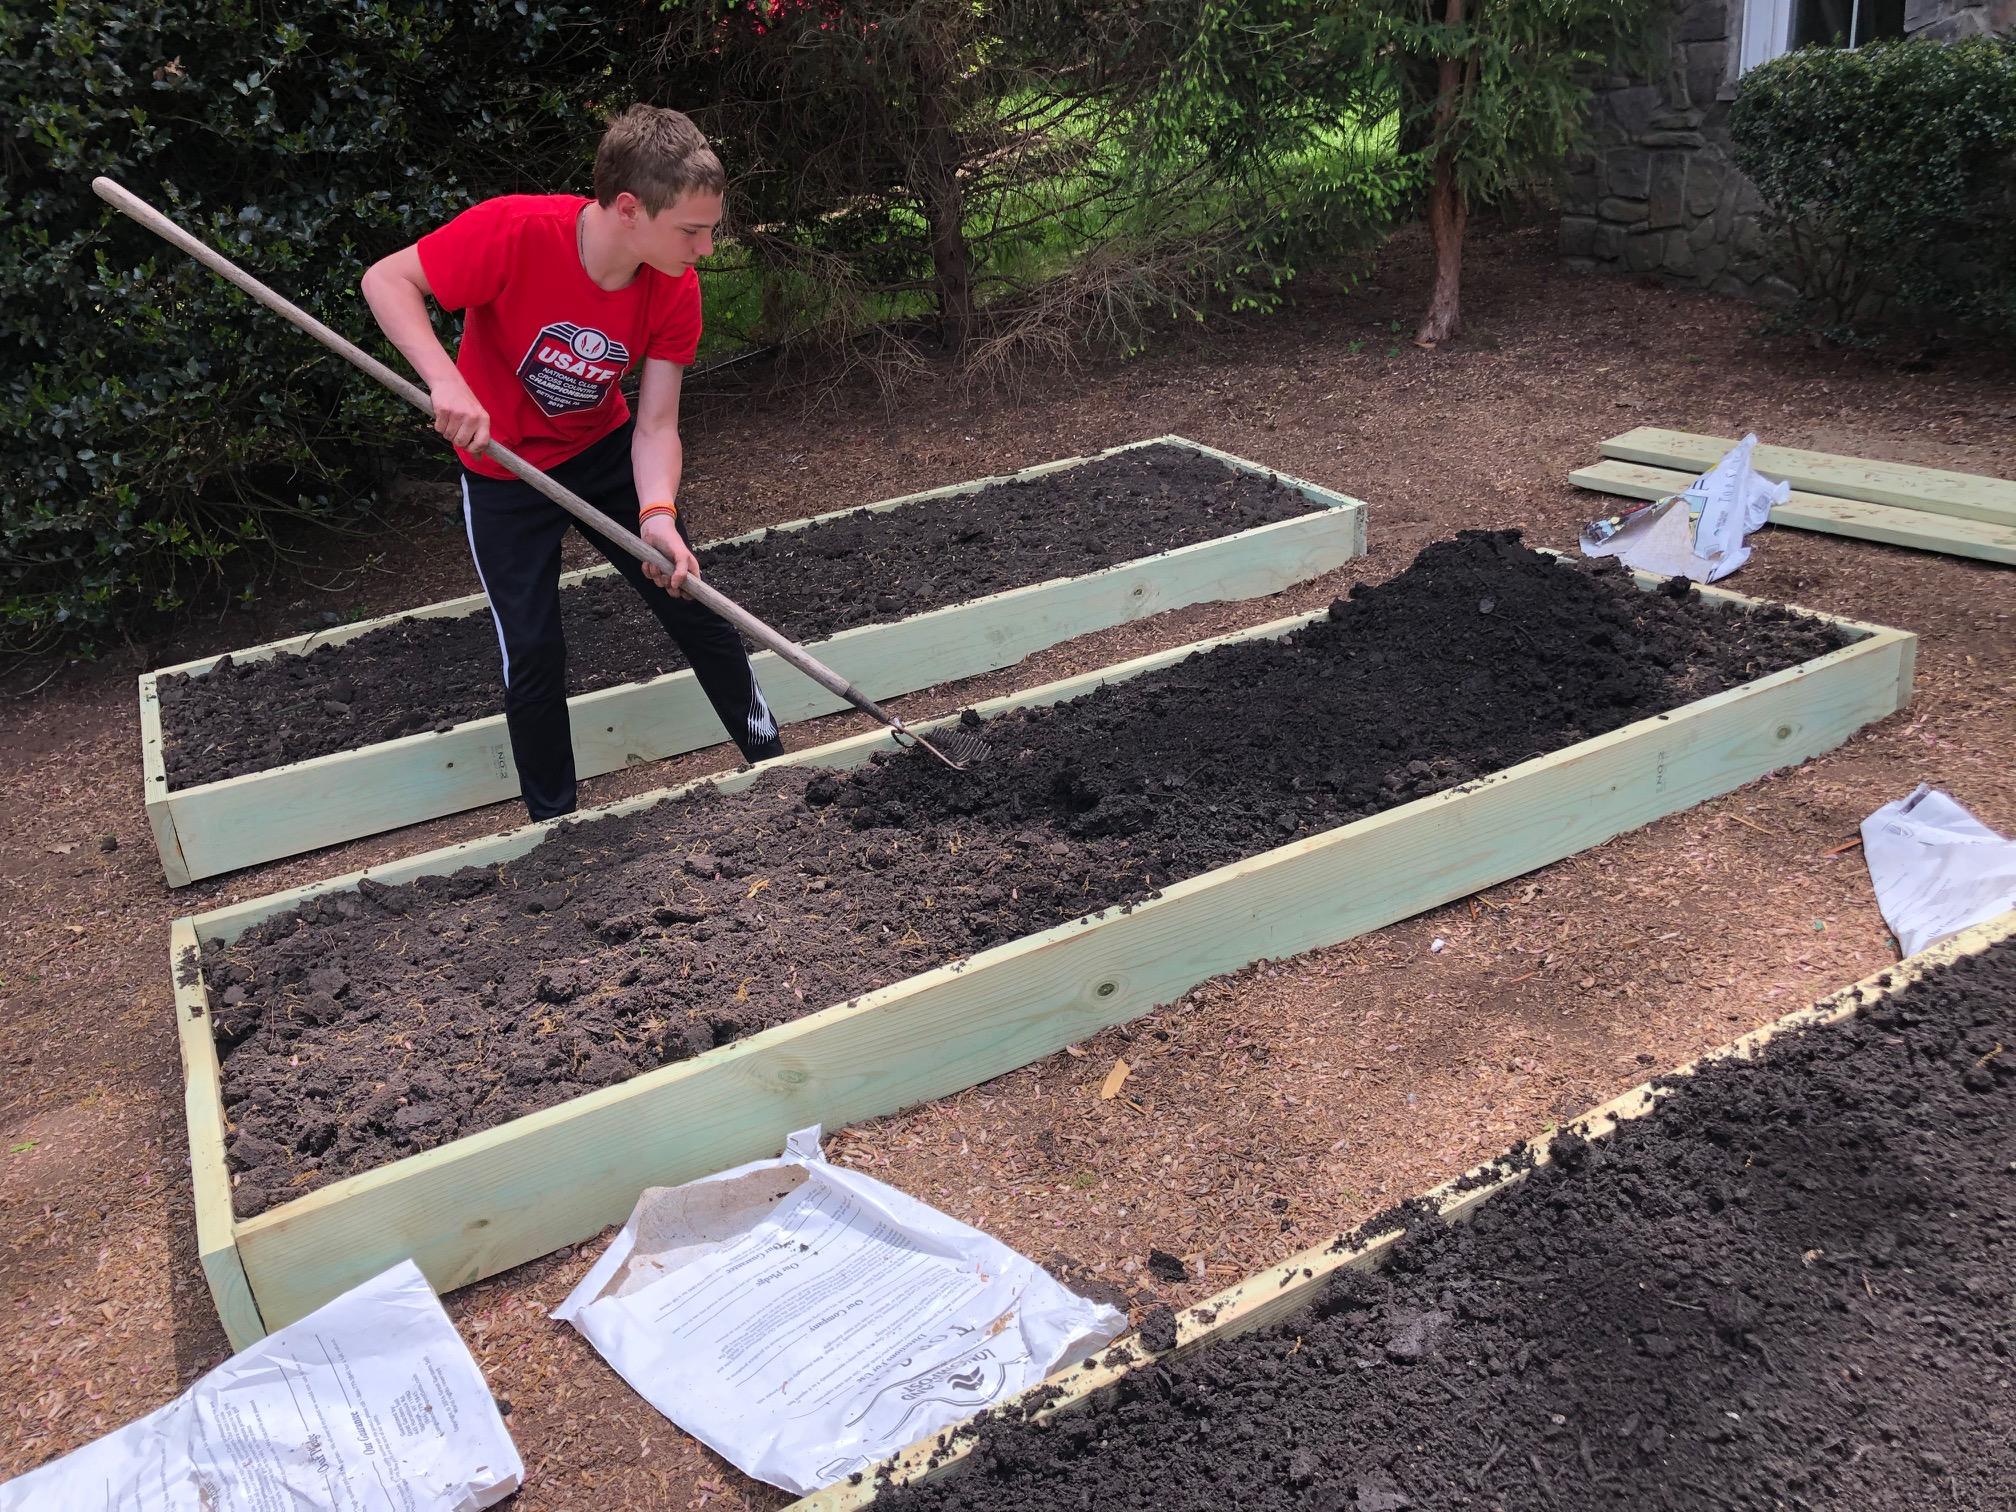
(1890, 171)
(984, 190)
(157, 428)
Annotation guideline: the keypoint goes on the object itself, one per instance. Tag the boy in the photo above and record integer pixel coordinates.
(562, 296)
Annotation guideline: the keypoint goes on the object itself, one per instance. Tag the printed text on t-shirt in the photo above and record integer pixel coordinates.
(570, 367)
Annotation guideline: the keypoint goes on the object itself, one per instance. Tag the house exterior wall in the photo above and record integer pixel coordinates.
(1658, 191)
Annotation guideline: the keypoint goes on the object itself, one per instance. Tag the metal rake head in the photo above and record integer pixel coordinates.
(959, 748)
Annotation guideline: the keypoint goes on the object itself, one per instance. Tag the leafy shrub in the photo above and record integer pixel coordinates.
(155, 424)
(1890, 172)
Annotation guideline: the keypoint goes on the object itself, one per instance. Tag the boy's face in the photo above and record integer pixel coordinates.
(676, 237)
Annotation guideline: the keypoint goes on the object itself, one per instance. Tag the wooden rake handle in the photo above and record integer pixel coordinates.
(130, 204)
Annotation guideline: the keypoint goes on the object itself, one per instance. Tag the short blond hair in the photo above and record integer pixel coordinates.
(658, 155)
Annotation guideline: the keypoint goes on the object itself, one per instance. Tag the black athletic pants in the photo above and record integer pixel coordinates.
(515, 536)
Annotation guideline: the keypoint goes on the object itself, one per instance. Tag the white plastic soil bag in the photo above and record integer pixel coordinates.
(1732, 501)
(1652, 537)
(804, 1320)
(371, 1402)
(1937, 869)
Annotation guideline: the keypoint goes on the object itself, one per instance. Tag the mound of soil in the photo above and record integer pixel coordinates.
(364, 1026)
(433, 674)
(1790, 1287)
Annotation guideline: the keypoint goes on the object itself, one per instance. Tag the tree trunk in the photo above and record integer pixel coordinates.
(1447, 212)
(944, 201)
(1447, 217)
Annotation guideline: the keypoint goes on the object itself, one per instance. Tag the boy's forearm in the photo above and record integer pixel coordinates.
(656, 459)
(401, 311)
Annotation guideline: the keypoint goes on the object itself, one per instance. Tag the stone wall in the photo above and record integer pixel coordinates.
(1659, 190)
(1948, 20)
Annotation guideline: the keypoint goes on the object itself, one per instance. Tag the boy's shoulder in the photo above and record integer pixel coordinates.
(511, 208)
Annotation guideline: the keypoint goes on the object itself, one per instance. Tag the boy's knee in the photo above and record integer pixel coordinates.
(536, 673)
(686, 621)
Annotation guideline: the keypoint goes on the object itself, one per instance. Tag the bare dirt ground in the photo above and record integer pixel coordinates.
(1267, 1109)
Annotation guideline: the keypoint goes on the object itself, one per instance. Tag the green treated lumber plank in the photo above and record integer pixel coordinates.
(154, 787)
(1806, 511)
(261, 816)
(203, 1111)
(495, 1199)
(1963, 496)
(1291, 1284)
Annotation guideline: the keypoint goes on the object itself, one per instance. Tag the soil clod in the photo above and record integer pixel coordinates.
(1158, 1329)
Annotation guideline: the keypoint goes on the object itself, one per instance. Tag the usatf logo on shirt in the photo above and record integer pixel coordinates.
(571, 367)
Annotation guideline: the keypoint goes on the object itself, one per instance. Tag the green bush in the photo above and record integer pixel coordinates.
(157, 424)
(1890, 172)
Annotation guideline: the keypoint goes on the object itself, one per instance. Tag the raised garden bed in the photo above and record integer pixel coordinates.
(1486, 712)
(305, 742)
(1778, 1277)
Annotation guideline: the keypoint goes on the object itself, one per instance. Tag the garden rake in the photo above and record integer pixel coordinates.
(967, 748)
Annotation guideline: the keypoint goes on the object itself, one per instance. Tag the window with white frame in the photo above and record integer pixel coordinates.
(1771, 27)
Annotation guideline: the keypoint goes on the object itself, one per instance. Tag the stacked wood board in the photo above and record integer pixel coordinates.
(1962, 514)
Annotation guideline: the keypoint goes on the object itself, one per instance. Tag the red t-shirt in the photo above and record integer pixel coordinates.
(543, 346)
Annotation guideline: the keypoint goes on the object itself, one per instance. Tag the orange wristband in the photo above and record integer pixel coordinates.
(657, 509)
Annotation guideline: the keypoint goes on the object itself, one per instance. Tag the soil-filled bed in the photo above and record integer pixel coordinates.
(867, 568)
(363, 1026)
(1787, 1287)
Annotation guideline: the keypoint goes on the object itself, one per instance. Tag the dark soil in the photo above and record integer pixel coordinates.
(432, 674)
(1790, 1287)
(1158, 1328)
(365, 1026)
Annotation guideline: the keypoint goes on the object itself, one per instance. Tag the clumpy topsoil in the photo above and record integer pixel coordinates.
(432, 674)
(364, 1026)
(1791, 1287)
